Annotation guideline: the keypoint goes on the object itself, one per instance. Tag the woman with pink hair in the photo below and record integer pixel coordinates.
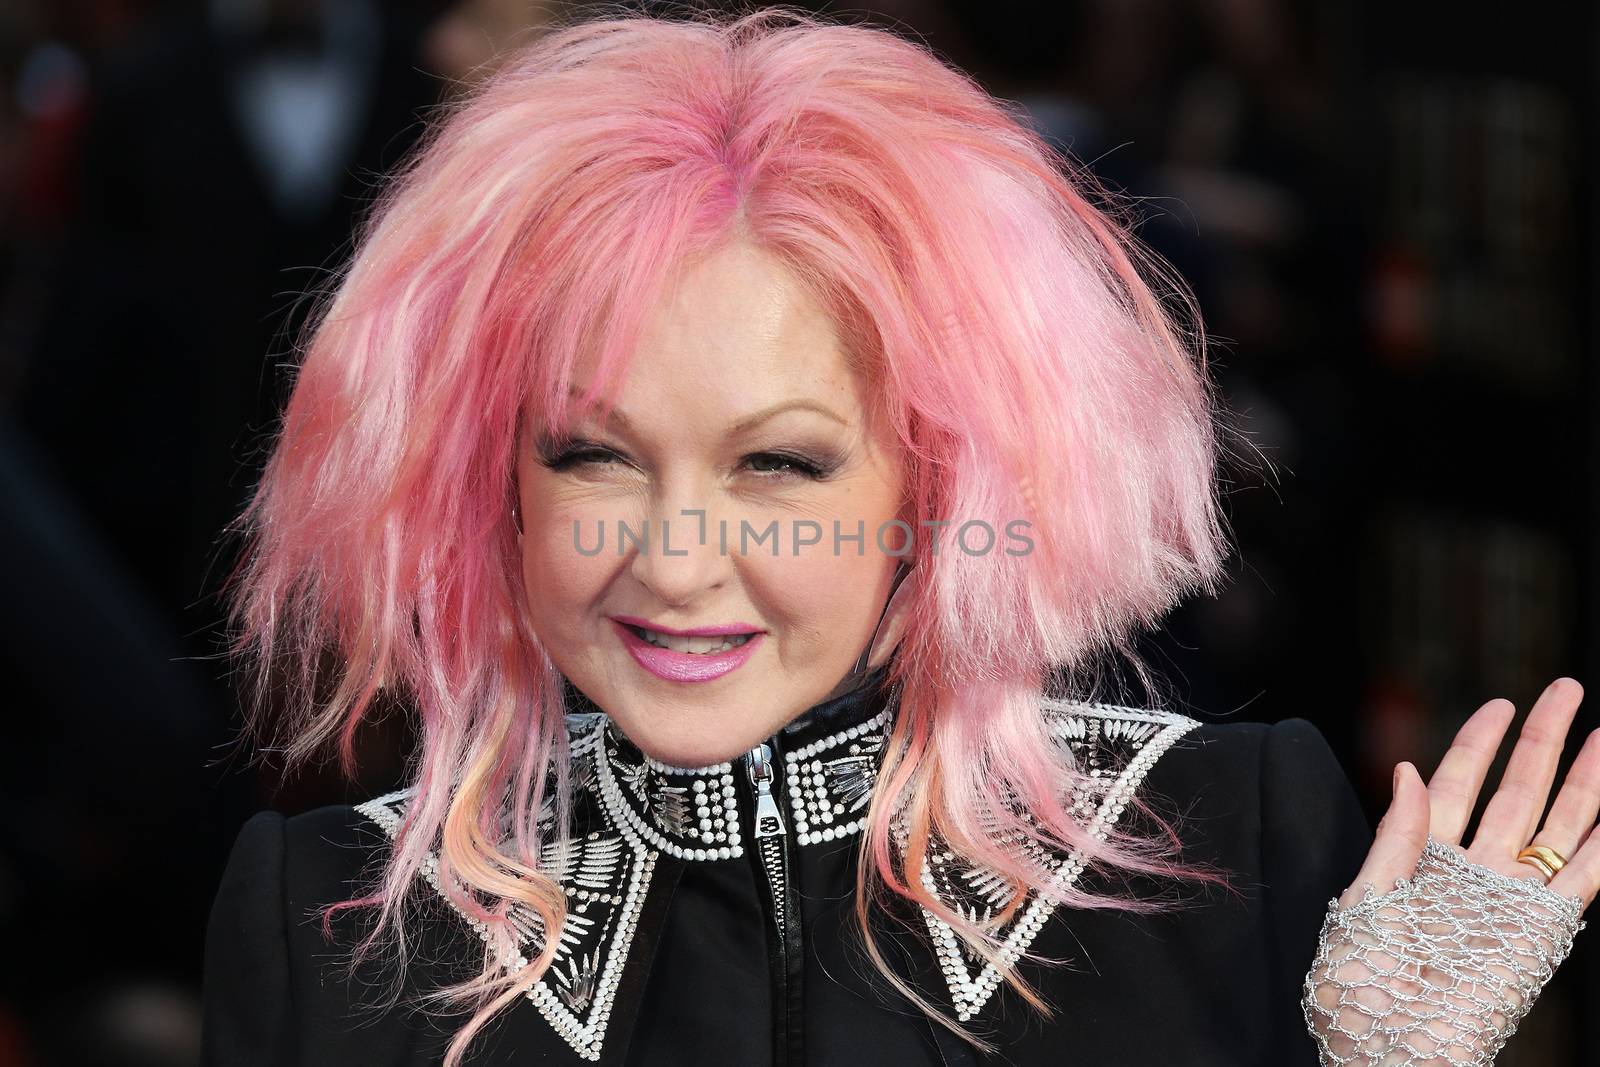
(739, 444)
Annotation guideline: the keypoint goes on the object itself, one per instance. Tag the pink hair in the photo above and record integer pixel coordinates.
(1029, 357)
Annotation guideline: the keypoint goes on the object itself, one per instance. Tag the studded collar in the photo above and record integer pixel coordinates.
(829, 759)
(618, 881)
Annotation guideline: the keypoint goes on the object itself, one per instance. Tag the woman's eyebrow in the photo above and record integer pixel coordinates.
(787, 405)
(620, 417)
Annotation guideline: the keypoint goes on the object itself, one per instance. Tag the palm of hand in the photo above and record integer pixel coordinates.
(1436, 950)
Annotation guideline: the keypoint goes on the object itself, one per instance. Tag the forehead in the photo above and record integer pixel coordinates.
(735, 332)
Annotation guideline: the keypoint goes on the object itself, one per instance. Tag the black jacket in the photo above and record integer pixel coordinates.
(711, 918)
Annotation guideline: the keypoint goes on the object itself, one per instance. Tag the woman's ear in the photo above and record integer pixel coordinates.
(891, 624)
(895, 617)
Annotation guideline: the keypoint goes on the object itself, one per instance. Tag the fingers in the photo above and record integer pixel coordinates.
(1573, 814)
(1513, 812)
(1581, 876)
(1453, 789)
(1402, 833)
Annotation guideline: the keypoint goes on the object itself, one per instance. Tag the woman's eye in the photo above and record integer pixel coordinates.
(568, 458)
(778, 463)
(769, 465)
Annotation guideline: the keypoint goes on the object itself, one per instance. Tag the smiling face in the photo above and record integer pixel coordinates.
(739, 403)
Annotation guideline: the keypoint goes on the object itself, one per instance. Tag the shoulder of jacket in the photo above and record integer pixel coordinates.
(335, 843)
(1114, 747)
(1197, 758)
(307, 860)
(1217, 739)
(1117, 736)
(388, 810)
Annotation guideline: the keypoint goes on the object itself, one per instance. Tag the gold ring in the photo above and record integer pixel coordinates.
(1547, 859)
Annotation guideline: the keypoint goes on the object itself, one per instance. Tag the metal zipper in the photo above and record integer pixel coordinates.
(769, 831)
(771, 847)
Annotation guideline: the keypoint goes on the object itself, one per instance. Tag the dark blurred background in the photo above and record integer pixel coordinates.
(1384, 210)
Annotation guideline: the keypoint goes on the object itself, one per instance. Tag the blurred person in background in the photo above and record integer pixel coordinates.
(466, 43)
(182, 176)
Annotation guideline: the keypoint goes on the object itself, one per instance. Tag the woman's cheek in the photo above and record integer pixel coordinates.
(834, 593)
(562, 568)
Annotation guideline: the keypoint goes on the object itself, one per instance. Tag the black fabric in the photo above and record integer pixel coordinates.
(1213, 981)
(714, 927)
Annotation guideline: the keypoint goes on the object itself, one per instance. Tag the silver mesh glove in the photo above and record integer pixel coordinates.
(1437, 971)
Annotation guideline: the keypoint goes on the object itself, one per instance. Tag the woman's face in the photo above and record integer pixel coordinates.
(739, 404)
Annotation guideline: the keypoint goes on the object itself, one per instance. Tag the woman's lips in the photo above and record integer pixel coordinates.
(684, 666)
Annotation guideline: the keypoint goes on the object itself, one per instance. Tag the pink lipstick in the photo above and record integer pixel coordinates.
(673, 666)
(730, 630)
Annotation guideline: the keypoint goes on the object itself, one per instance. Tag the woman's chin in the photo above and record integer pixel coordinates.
(708, 740)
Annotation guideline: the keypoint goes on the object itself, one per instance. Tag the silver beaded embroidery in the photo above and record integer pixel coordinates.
(650, 807)
(605, 883)
(1116, 746)
(691, 813)
(831, 779)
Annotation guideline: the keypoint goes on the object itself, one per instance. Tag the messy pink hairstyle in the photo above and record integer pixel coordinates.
(1030, 359)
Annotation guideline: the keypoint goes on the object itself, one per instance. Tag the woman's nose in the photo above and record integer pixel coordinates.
(680, 554)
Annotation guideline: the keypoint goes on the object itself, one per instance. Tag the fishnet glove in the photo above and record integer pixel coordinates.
(1437, 971)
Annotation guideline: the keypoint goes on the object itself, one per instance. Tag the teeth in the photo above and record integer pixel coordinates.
(699, 646)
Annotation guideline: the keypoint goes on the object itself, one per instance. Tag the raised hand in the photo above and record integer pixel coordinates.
(1437, 950)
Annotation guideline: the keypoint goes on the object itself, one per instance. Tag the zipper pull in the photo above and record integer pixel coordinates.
(769, 823)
